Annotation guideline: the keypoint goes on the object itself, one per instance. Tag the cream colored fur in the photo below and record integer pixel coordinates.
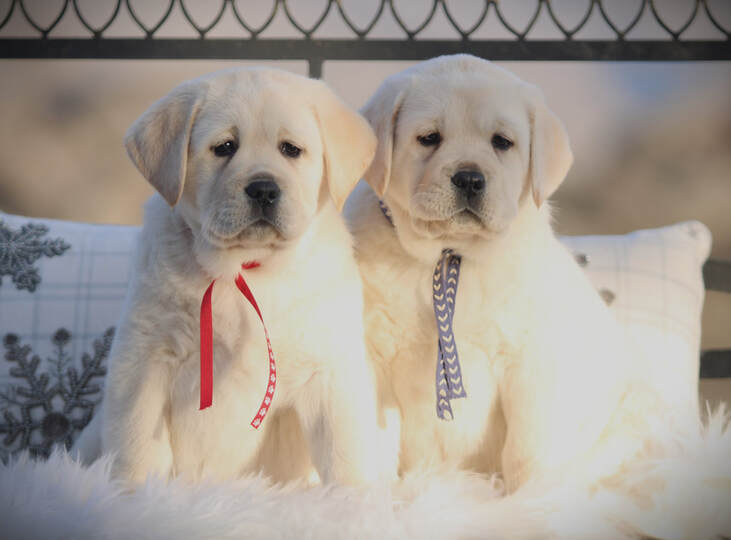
(308, 289)
(552, 392)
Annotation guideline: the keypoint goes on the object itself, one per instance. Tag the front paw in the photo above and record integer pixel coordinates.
(134, 473)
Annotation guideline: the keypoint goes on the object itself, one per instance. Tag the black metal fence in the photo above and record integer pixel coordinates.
(516, 42)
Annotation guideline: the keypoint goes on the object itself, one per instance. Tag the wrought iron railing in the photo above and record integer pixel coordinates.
(515, 42)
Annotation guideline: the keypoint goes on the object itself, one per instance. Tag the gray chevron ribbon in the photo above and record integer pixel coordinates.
(449, 384)
(449, 373)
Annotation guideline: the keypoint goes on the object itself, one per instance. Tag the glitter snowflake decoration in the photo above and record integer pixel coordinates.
(19, 249)
(51, 407)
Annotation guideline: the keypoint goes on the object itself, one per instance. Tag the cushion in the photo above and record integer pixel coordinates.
(653, 282)
(62, 286)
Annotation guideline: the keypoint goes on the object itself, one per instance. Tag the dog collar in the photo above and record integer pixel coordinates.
(449, 384)
(206, 356)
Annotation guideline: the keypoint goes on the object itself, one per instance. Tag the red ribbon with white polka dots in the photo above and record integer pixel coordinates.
(206, 398)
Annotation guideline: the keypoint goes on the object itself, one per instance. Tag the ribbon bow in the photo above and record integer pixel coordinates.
(206, 398)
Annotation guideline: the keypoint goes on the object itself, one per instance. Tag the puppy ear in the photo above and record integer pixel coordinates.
(348, 142)
(550, 152)
(382, 112)
(157, 142)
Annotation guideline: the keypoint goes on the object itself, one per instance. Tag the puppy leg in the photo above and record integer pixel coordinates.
(283, 455)
(341, 424)
(135, 421)
(558, 402)
(389, 424)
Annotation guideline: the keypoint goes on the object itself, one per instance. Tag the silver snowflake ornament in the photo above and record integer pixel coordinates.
(21, 248)
(49, 407)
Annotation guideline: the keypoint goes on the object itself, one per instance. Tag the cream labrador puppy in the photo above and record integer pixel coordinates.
(251, 166)
(487, 337)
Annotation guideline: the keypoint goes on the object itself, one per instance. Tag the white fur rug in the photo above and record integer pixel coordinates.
(59, 498)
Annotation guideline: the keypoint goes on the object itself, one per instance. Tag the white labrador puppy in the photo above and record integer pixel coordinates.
(251, 165)
(523, 371)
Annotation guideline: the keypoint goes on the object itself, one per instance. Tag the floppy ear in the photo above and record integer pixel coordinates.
(348, 143)
(157, 143)
(382, 112)
(550, 152)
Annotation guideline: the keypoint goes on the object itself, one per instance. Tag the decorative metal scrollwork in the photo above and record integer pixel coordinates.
(489, 8)
(413, 39)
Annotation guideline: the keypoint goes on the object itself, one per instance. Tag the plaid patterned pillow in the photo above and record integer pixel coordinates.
(653, 282)
(62, 286)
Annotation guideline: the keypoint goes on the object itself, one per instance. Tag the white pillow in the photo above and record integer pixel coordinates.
(653, 282)
(62, 286)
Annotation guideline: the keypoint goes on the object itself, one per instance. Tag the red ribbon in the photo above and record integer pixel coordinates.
(207, 348)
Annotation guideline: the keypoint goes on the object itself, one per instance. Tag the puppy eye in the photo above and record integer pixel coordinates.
(430, 139)
(501, 143)
(290, 150)
(226, 149)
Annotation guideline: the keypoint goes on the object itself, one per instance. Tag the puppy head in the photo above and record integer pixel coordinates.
(462, 145)
(247, 157)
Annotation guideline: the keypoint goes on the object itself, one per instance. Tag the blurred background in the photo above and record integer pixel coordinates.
(652, 140)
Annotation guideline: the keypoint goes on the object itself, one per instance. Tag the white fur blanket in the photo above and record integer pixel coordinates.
(59, 498)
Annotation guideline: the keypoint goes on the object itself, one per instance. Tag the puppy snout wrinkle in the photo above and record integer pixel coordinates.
(469, 182)
(265, 192)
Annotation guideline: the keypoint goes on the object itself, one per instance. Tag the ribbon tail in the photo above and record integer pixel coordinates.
(244, 288)
(272, 382)
(449, 373)
(444, 407)
(206, 356)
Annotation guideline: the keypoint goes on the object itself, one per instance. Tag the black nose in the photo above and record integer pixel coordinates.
(469, 182)
(263, 191)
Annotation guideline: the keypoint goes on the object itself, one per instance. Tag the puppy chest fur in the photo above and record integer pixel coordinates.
(402, 339)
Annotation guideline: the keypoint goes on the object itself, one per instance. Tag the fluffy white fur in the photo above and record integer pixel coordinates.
(60, 498)
(203, 226)
(553, 392)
